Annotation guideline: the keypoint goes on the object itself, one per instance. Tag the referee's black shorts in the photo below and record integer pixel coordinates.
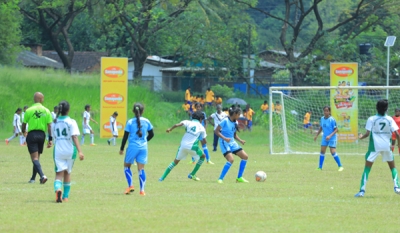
(35, 141)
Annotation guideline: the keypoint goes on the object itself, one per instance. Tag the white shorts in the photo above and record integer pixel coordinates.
(86, 129)
(183, 152)
(387, 156)
(114, 133)
(17, 130)
(64, 164)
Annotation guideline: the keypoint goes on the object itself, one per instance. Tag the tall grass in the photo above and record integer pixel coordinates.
(17, 87)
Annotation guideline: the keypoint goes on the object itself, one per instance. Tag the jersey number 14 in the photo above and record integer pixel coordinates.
(63, 132)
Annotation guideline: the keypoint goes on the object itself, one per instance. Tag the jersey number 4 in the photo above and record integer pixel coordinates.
(193, 129)
(63, 132)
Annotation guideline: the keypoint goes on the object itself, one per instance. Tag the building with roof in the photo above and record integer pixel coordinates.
(32, 60)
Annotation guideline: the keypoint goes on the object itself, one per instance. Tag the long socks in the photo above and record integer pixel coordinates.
(67, 188)
(11, 138)
(34, 172)
(38, 167)
(92, 138)
(242, 166)
(142, 179)
(205, 150)
(128, 176)
(168, 170)
(364, 177)
(83, 139)
(395, 178)
(57, 185)
(225, 170)
(321, 160)
(337, 159)
(197, 167)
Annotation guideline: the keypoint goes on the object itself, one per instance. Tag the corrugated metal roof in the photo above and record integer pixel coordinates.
(159, 59)
(271, 65)
(30, 59)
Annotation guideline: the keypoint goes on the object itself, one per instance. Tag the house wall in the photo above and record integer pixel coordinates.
(150, 71)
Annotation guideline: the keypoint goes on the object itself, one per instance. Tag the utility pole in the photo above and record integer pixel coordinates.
(248, 59)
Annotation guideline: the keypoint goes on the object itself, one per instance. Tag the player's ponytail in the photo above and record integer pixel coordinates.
(18, 110)
(63, 108)
(138, 110)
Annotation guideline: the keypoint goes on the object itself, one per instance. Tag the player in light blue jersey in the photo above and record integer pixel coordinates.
(226, 131)
(139, 131)
(329, 138)
(379, 130)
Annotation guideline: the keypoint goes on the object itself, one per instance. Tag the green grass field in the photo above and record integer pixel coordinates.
(294, 198)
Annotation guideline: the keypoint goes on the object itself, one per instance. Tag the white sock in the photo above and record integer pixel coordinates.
(92, 138)
(114, 140)
(83, 139)
(11, 138)
(21, 140)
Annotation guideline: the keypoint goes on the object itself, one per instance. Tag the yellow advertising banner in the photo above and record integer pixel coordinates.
(344, 101)
(113, 94)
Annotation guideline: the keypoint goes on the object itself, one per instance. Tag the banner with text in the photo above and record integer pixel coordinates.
(344, 101)
(113, 94)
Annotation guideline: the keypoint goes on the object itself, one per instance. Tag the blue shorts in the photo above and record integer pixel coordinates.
(209, 103)
(231, 147)
(249, 123)
(330, 143)
(133, 153)
(307, 125)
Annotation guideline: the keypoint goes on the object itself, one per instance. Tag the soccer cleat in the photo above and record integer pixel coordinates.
(341, 169)
(93, 144)
(65, 199)
(58, 196)
(43, 180)
(142, 193)
(129, 190)
(397, 190)
(241, 180)
(108, 142)
(193, 177)
(360, 194)
(31, 181)
(220, 181)
(7, 141)
(209, 162)
(319, 169)
(161, 179)
(215, 149)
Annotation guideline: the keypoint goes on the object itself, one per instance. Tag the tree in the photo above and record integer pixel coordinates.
(296, 17)
(10, 34)
(55, 19)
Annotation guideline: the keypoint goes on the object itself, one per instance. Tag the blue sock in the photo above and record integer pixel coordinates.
(67, 188)
(142, 179)
(205, 150)
(57, 185)
(242, 166)
(128, 175)
(225, 170)
(337, 159)
(193, 159)
(321, 160)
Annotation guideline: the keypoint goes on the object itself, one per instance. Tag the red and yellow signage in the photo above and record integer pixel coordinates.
(344, 101)
(113, 94)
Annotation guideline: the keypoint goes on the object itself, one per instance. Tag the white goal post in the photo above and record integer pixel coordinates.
(350, 106)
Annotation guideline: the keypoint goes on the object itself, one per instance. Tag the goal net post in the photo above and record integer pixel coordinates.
(350, 106)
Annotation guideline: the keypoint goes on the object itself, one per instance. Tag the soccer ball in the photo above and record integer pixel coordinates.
(261, 176)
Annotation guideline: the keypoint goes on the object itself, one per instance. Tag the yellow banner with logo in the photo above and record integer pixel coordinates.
(344, 101)
(113, 94)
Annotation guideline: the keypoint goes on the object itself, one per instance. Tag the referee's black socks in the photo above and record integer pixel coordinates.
(38, 167)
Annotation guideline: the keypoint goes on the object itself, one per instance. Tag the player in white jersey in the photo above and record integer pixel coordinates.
(66, 147)
(86, 127)
(113, 128)
(189, 144)
(379, 130)
(54, 116)
(218, 116)
(17, 128)
(22, 120)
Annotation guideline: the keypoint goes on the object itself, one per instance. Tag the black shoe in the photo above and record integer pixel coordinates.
(43, 180)
(108, 142)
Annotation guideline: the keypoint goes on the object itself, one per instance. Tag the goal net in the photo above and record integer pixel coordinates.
(350, 106)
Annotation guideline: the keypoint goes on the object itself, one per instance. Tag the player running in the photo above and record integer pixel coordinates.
(396, 119)
(66, 147)
(139, 131)
(17, 128)
(189, 144)
(329, 129)
(379, 130)
(226, 131)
